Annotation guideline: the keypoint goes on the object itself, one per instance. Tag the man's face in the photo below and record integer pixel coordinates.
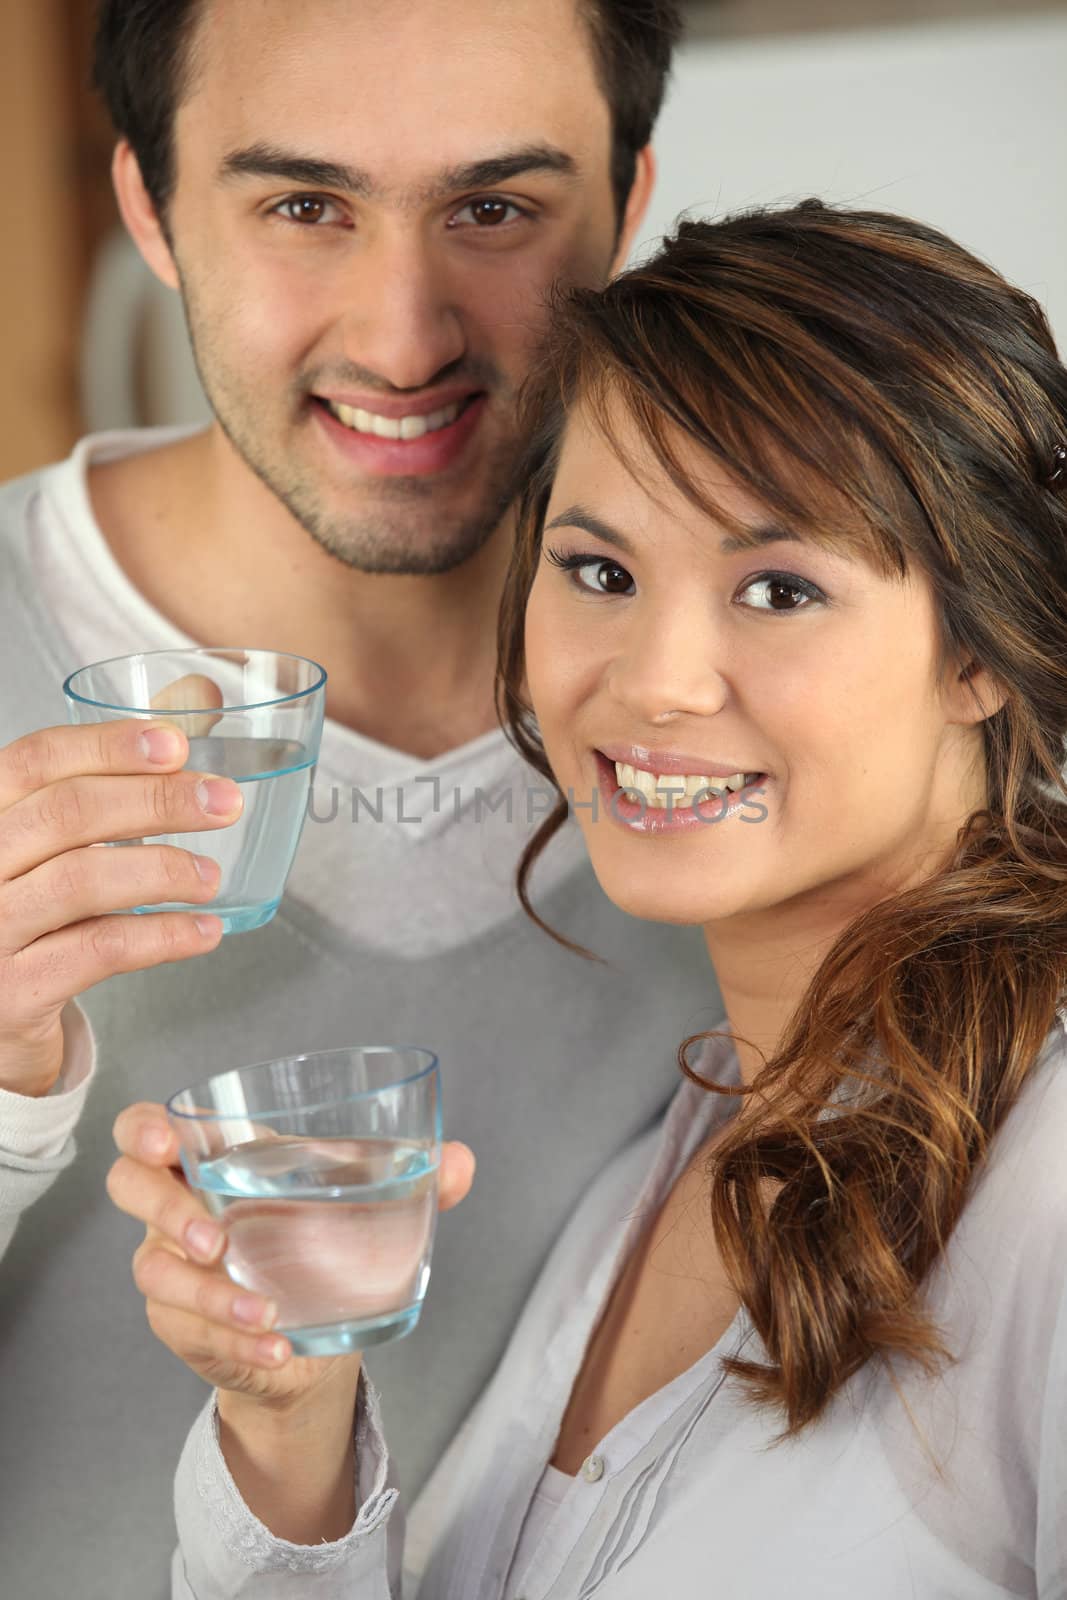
(371, 204)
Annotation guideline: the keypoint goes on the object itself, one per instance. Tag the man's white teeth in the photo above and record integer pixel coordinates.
(395, 427)
(671, 788)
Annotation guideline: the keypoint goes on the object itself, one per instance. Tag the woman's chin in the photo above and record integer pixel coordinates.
(662, 902)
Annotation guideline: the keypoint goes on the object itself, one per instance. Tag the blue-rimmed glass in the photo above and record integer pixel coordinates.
(323, 1169)
(251, 715)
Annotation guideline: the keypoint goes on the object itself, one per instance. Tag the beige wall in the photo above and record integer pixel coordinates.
(962, 123)
(40, 236)
(740, 19)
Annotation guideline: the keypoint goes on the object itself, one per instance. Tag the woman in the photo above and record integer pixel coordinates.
(793, 568)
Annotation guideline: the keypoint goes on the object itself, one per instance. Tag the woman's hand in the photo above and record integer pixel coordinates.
(218, 1329)
(285, 1421)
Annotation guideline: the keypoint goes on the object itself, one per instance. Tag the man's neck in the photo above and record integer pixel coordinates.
(410, 660)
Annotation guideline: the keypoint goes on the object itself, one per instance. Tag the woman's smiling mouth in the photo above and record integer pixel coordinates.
(669, 792)
(663, 789)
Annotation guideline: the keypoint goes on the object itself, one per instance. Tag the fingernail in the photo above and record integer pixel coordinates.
(273, 1350)
(207, 870)
(253, 1312)
(160, 745)
(203, 1239)
(218, 797)
(155, 1142)
(208, 927)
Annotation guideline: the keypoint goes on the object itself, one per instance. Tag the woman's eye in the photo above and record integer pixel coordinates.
(593, 573)
(777, 591)
(308, 209)
(488, 213)
(605, 577)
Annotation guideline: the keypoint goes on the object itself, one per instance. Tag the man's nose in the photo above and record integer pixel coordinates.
(404, 322)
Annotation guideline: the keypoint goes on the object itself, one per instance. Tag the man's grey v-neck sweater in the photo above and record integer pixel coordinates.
(550, 1065)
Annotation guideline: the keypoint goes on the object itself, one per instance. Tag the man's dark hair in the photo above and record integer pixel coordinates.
(633, 41)
(143, 61)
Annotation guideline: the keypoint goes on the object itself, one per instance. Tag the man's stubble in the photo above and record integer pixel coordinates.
(388, 537)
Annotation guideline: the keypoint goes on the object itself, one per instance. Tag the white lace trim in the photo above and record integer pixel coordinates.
(252, 1543)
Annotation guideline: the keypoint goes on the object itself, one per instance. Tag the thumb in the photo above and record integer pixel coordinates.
(457, 1175)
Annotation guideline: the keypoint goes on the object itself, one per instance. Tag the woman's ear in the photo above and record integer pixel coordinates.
(140, 215)
(973, 694)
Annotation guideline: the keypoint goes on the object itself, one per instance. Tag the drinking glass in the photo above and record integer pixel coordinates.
(323, 1170)
(251, 715)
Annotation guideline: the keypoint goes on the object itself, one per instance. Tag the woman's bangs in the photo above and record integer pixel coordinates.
(800, 452)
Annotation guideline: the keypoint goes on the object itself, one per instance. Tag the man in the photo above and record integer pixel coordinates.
(364, 208)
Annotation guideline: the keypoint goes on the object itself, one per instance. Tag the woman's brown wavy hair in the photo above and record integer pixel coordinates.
(877, 387)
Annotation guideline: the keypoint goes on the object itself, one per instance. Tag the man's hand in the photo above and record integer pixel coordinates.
(62, 792)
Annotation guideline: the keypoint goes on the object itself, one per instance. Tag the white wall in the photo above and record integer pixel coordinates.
(962, 125)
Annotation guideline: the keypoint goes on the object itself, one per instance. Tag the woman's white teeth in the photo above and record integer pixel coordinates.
(670, 788)
(395, 427)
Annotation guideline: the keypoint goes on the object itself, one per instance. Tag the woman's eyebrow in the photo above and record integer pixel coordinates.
(752, 539)
(755, 538)
(579, 517)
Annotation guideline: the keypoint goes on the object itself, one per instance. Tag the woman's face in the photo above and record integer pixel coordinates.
(671, 649)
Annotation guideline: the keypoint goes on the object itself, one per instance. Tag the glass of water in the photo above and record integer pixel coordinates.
(251, 715)
(323, 1170)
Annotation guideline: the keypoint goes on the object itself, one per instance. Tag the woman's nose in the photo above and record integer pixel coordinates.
(671, 668)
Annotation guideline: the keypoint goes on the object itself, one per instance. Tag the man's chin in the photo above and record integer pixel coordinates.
(393, 546)
(418, 525)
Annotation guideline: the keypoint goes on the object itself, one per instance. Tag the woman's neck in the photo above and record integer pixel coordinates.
(764, 961)
(763, 971)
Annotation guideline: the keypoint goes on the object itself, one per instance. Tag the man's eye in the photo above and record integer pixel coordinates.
(488, 213)
(779, 591)
(309, 209)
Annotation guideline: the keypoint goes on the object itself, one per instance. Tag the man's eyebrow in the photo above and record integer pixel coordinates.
(752, 539)
(494, 170)
(269, 161)
(312, 172)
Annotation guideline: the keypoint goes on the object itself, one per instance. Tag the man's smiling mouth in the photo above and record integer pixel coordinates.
(405, 428)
